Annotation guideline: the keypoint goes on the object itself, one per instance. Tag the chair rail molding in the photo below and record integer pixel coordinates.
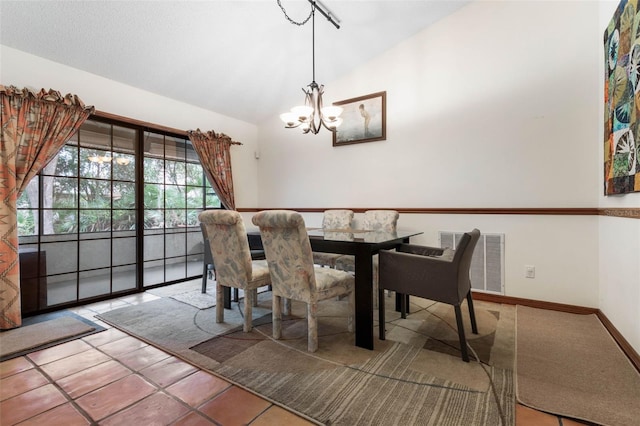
(630, 212)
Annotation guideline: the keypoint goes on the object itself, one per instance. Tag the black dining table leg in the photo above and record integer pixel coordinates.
(226, 292)
(364, 297)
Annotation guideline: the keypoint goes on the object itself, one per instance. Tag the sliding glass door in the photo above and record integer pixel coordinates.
(175, 192)
(114, 212)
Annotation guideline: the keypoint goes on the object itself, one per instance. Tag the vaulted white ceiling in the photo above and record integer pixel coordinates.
(243, 59)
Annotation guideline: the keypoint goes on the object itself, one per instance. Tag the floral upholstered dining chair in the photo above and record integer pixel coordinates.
(294, 276)
(233, 265)
(374, 220)
(333, 220)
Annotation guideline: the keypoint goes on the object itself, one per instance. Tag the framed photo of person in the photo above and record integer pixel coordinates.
(364, 119)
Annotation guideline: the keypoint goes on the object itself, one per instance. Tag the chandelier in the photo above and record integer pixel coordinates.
(311, 116)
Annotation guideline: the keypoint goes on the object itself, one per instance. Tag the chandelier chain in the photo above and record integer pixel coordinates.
(291, 20)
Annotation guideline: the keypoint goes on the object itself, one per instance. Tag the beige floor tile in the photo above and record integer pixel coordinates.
(54, 353)
(526, 416)
(20, 383)
(99, 339)
(220, 408)
(143, 357)
(72, 364)
(198, 388)
(122, 346)
(157, 409)
(93, 378)
(115, 396)
(66, 415)
(279, 416)
(168, 371)
(14, 366)
(193, 419)
(29, 404)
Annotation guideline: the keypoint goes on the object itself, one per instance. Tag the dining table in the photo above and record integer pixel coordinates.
(363, 245)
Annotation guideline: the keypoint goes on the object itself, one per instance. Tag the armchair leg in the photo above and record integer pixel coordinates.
(399, 297)
(472, 313)
(381, 315)
(403, 306)
(463, 340)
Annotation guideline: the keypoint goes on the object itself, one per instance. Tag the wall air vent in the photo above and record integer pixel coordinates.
(487, 263)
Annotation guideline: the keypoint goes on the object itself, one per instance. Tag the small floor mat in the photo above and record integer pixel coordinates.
(44, 331)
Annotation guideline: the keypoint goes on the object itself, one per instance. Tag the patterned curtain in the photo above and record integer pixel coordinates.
(214, 152)
(35, 126)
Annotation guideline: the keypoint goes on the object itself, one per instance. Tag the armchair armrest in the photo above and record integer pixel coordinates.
(445, 253)
(420, 250)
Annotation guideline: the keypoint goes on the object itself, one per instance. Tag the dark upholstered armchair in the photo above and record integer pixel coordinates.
(431, 273)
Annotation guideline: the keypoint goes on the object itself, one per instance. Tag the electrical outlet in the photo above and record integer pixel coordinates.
(529, 271)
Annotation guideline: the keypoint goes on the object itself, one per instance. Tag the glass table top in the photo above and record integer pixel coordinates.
(359, 235)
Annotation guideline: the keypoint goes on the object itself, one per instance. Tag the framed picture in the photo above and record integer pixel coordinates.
(364, 119)
(621, 120)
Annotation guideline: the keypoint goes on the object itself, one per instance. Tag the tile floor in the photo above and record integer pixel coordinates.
(111, 378)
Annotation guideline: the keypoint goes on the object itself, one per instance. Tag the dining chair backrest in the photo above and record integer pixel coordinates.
(462, 257)
(337, 219)
(288, 250)
(229, 246)
(381, 220)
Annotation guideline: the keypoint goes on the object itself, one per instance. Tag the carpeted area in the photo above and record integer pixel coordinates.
(44, 331)
(414, 377)
(569, 365)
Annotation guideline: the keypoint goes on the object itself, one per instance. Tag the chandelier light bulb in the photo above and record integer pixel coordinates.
(332, 112)
(290, 119)
(335, 123)
(303, 112)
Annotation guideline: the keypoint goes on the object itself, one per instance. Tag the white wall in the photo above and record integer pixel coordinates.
(486, 108)
(24, 70)
(619, 245)
(498, 105)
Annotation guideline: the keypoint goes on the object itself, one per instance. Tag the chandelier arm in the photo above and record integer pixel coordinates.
(327, 127)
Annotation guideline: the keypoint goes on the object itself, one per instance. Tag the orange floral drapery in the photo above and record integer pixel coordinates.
(214, 151)
(35, 126)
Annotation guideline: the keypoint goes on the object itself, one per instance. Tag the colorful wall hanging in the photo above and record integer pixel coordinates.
(622, 100)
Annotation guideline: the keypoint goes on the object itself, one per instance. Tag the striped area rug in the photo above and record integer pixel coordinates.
(384, 391)
(399, 383)
(415, 377)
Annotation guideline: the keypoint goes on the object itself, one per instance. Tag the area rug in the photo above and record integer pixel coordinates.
(569, 365)
(44, 331)
(416, 376)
